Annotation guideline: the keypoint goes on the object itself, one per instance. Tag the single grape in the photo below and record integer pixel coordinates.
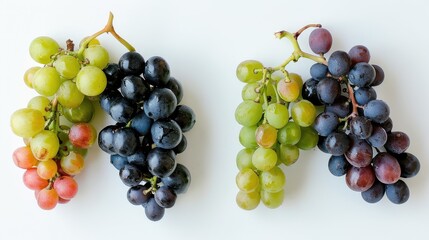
(339, 63)
(244, 158)
(44, 145)
(387, 125)
(47, 199)
(29, 76)
(157, 71)
(342, 107)
(166, 134)
(397, 142)
(272, 180)
(82, 135)
(277, 115)
(364, 94)
(338, 165)
(328, 89)
(114, 76)
(326, 123)
(379, 75)
(309, 91)
(360, 127)
(68, 95)
(377, 111)
(409, 163)
(378, 136)
(138, 195)
(184, 116)
(359, 153)
(72, 164)
(46, 81)
(264, 159)
(321, 144)
(161, 162)
(309, 138)
(318, 71)
(386, 167)
(246, 71)
(165, 197)
(27, 122)
(289, 134)
(42, 48)
(118, 161)
(179, 180)
(359, 54)
(139, 159)
(33, 181)
(398, 192)
(360, 179)
(81, 114)
(135, 88)
(248, 201)
(288, 154)
(247, 137)
(288, 91)
(320, 40)
(272, 199)
(132, 63)
(248, 113)
(362, 74)
(105, 139)
(174, 85)
(141, 123)
(337, 143)
(130, 175)
(40, 103)
(67, 66)
(91, 81)
(23, 158)
(92, 42)
(47, 169)
(122, 110)
(266, 135)
(66, 187)
(374, 193)
(125, 141)
(161, 103)
(153, 211)
(97, 56)
(303, 113)
(247, 180)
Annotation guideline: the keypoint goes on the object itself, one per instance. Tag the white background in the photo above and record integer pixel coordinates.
(203, 41)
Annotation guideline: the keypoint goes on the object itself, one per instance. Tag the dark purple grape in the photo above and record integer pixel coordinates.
(132, 63)
(318, 71)
(138, 159)
(398, 192)
(362, 74)
(130, 175)
(165, 197)
(122, 110)
(141, 123)
(105, 139)
(184, 116)
(339, 63)
(309, 91)
(341, 107)
(359, 54)
(361, 127)
(176, 88)
(118, 161)
(179, 180)
(321, 144)
(182, 145)
(338, 165)
(125, 141)
(360, 153)
(397, 142)
(364, 94)
(337, 143)
(157, 71)
(161, 104)
(328, 90)
(379, 75)
(108, 97)
(387, 125)
(320, 40)
(360, 179)
(134, 88)
(378, 136)
(325, 123)
(386, 167)
(166, 134)
(113, 75)
(161, 162)
(136, 195)
(153, 211)
(410, 164)
(377, 111)
(374, 193)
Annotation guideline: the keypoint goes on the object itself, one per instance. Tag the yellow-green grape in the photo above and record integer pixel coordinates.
(68, 95)
(46, 81)
(249, 91)
(289, 134)
(303, 113)
(277, 115)
(72, 164)
(248, 113)
(309, 138)
(83, 113)
(29, 76)
(40, 103)
(270, 91)
(247, 137)
(288, 91)
(272, 199)
(93, 42)
(287, 154)
(272, 180)
(45, 145)
(266, 136)
(91, 81)
(67, 66)
(244, 158)
(247, 180)
(42, 48)
(264, 159)
(47, 169)
(296, 78)
(27, 122)
(248, 201)
(97, 56)
(246, 71)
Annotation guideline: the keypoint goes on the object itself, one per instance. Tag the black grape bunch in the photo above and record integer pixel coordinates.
(355, 127)
(144, 100)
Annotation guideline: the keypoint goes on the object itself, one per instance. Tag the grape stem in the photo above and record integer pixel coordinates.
(107, 29)
(315, 25)
(353, 99)
(153, 185)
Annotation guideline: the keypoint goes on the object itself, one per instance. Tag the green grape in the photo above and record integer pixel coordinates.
(29, 76)
(296, 78)
(290, 134)
(248, 113)
(277, 115)
(247, 180)
(288, 154)
(68, 95)
(244, 158)
(272, 199)
(46, 81)
(248, 201)
(82, 113)
(266, 136)
(44, 145)
(97, 56)
(247, 137)
(27, 122)
(264, 159)
(246, 71)
(91, 81)
(40, 103)
(309, 138)
(288, 91)
(303, 113)
(42, 48)
(249, 93)
(272, 180)
(93, 42)
(67, 66)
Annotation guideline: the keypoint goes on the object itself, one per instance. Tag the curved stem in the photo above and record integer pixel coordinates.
(316, 25)
(107, 29)
(353, 99)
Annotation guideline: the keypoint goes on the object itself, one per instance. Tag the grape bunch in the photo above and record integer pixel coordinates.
(355, 127)
(67, 82)
(276, 124)
(144, 100)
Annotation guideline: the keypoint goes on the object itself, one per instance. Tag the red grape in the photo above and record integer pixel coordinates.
(320, 40)
(360, 179)
(47, 199)
(66, 187)
(82, 135)
(23, 158)
(33, 181)
(386, 167)
(358, 54)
